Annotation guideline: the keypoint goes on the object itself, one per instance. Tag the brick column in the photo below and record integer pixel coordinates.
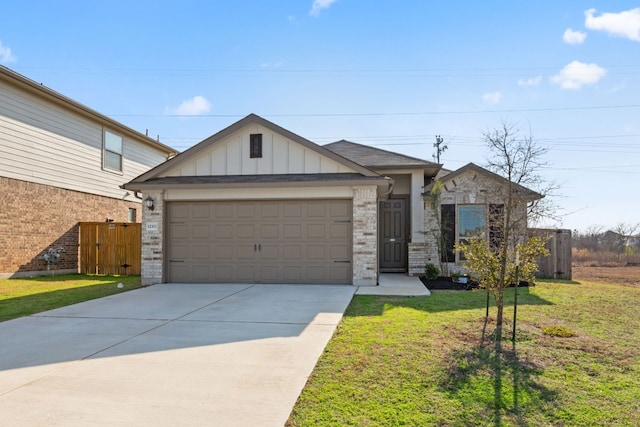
(152, 238)
(365, 236)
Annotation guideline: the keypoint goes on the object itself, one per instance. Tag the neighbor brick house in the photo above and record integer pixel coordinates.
(62, 163)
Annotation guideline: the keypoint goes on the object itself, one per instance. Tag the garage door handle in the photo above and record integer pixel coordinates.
(176, 260)
(343, 262)
(257, 247)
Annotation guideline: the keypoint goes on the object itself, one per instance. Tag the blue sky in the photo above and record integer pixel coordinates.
(391, 74)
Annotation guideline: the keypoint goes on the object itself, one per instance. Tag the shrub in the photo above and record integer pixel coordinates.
(431, 271)
(558, 331)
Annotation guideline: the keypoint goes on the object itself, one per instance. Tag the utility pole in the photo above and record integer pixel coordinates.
(440, 148)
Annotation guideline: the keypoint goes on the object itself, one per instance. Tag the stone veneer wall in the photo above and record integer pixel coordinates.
(365, 236)
(152, 241)
(468, 188)
(36, 217)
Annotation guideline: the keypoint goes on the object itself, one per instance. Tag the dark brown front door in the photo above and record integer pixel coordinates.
(393, 235)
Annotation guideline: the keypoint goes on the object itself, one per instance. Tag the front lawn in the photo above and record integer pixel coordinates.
(431, 361)
(22, 297)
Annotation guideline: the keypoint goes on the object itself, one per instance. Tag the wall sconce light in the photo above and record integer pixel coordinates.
(148, 202)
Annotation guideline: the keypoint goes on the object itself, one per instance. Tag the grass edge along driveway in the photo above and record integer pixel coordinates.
(432, 361)
(23, 297)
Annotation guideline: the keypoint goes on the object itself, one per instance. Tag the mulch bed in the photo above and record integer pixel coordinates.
(446, 283)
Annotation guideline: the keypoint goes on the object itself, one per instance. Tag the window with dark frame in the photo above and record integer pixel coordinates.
(255, 148)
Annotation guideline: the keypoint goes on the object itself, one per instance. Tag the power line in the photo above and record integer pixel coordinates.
(380, 114)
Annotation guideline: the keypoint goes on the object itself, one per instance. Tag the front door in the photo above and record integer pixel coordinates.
(393, 235)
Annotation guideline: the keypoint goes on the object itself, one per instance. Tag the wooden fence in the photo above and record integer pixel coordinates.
(110, 248)
(558, 264)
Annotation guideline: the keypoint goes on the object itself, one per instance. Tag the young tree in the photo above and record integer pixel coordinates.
(518, 160)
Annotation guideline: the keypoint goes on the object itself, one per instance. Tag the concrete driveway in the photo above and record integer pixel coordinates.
(168, 355)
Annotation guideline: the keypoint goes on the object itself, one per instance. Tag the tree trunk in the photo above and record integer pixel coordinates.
(500, 306)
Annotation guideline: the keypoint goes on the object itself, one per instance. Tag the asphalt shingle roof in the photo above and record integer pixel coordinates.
(374, 157)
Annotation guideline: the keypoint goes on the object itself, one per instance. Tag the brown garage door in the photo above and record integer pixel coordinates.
(259, 241)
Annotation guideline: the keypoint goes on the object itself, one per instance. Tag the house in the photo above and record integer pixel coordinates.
(62, 163)
(257, 203)
(470, 202)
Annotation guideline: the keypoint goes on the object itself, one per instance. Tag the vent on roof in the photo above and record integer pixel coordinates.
(255, 148)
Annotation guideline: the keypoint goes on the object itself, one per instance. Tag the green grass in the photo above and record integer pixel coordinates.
(22, 297)
(433, 361)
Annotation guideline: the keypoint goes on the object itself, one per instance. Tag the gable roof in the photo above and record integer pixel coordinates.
(155, 173)
(38, 89)
(521, 191)
(376, 158)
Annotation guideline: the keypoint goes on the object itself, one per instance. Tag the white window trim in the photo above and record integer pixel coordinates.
(105, 167)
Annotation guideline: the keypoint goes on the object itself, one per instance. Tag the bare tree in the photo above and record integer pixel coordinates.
(518, 159)
(623, 232)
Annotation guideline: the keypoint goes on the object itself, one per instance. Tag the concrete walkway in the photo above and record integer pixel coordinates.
(396, 284)
(168, 355)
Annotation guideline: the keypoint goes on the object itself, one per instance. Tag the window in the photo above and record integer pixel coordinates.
(458, 223)
(112, 153)
(471, 223)
(448, 232)
(132, 215)
(255, 148)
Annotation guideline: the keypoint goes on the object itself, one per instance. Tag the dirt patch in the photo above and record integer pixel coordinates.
(625, 276)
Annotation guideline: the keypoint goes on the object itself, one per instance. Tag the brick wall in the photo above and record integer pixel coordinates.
(365, 236)
(36, 217)
(152, 241)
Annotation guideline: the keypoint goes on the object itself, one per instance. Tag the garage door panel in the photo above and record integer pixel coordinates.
(269, 231)
(245, 252)
(223, 231)
(339, 230)
(246, 231)
(200, 231)
(200, 273)
(246, 210)
(316, 252)
(201, 211)
(180, 212)
(339, 252)
(269, 252)
(223, 210)
(292, 231)
(316, 231)
(179, 231)
(260, 242)
(292, 252)
(180, 252)
(223, 252)
(200, 252)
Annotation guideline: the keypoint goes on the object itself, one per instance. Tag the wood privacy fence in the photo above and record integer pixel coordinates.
(110, 248)
(558, 264)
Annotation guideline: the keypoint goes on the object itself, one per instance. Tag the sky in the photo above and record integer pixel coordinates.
(390, 74)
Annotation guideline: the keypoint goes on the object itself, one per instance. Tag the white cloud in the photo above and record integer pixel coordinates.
(5, 54)
(574, 37)
(492, 97)
(530, 82)
(578, 74)
(193, 107)
(318, 5)
(622, 24)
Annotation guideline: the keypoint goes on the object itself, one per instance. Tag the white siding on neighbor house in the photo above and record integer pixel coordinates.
(230, 156)
(44, 143)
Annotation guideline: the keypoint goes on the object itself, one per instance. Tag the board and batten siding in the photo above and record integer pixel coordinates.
(230, 156)
(43, 142)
